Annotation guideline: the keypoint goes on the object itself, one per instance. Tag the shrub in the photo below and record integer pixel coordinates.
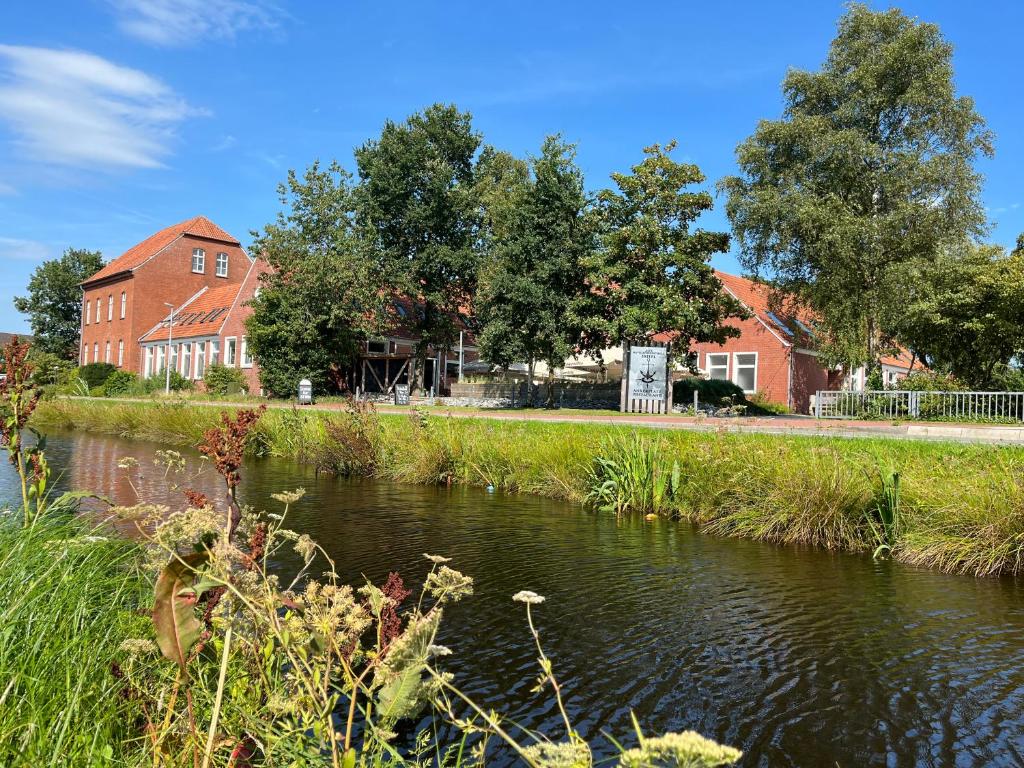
(222, 380)
(717, 392)
(96, 374)
(930, 381)
(760, 404)
(158, 381)
(119, 383)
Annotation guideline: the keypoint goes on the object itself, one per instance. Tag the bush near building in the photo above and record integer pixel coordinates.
(96, 374)
(222, 380)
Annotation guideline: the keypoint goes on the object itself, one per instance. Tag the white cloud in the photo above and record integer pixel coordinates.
(11, 248)
(224, 144)
(7, 189)
(75, 108)
(184, 22)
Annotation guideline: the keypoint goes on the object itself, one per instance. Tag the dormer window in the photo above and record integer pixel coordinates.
(198, 260)
(222, 265)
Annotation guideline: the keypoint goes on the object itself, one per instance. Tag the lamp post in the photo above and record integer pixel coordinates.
(167, 357)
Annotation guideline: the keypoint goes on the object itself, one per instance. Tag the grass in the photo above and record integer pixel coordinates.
(70, 599)
(961, 506)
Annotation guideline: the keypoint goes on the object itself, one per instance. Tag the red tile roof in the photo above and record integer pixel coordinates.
(203, 315)
(200, 226)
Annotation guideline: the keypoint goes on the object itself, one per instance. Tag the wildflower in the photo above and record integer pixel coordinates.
(448, 584)
(196, 499)
(289, 497)
(127, 462)
(437, 559)
(679, 749)
(137, 646)
(528, 597)
(306, 548)
(224, 444)
(568, 754)
(439, 650)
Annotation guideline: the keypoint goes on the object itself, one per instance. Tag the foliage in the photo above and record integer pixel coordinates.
(931, 381)
(224, 380)
(629, 477)
(869, 170)
(651, 274)
(885, 519)
(965, 313)
(417, 207)
(18, 399)
(54, 300)
(96, 374)
(50, 369)
(537, 268)
(322, 289)
(717, 392)
(120, 383)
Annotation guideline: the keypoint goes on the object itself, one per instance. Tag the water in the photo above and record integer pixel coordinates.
(796, 656)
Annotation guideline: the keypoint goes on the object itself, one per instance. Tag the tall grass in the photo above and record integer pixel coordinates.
(961, 507)
(69, 600)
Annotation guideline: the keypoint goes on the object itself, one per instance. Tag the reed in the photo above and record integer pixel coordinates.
(960, 507)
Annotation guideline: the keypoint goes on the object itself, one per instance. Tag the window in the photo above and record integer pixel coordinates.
(161, 351)
(744, 371)
(200, 358)
(717, 365)
(106, 352)
(97, 309)
(377, 346)
(124, 304)
(95, 351)
(186, 360)
(246, 358)
(214, 351)
(198, 260)
(88, 312)
(120, 353)
(85, 354)
(174, 358)
(110, 307)
(147, 369)
(230, 344)
(222, 265)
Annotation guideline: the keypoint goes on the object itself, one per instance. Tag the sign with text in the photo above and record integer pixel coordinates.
(401, 394)
(648, 373)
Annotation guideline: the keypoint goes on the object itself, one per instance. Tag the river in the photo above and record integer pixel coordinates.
(799, 657)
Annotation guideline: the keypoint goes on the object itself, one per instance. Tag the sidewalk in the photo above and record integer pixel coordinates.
(773, 425)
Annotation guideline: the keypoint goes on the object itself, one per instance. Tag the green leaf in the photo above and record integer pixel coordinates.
(174, 616)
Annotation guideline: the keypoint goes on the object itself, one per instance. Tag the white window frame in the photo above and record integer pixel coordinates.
(88, 311)
(214, 351)
(231, 351)
(174, 357)
(736, 366)
(99, 305)
(199, 353)
(710, 366)
(120, 353)
(106, 352)
(245, 360)
(147, 368)
(217, 266)
(110, 307)
(186, 360)
(199, 261)
(161, 353)
(95, 351)
(124, 304)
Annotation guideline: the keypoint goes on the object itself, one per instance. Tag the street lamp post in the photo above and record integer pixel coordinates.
(167, 357)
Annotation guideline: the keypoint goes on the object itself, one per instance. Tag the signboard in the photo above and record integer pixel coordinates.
(401, 394)
(305, 392)
(648, 373)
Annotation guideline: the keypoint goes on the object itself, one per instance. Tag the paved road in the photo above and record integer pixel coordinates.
(779, 425)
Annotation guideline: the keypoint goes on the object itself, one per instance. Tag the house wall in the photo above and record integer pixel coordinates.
(234, 325)
(772, 357)
(167, 276)
(808, 377)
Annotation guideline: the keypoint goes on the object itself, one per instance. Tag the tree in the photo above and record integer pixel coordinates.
(537, 270)
(869, 170)
(322, 292)
(54, 301)
(416, 204)
(651, 274)
(965, 314)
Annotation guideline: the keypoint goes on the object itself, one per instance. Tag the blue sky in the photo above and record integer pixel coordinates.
(120, 117)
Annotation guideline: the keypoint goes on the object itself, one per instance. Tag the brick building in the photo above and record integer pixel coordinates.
(126, 298)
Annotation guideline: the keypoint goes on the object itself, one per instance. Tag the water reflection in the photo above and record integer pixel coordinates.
(798, 657)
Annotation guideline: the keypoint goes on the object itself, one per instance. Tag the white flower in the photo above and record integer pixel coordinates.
(439, 650)
(528, 597)
(289, 497)
(437, 559)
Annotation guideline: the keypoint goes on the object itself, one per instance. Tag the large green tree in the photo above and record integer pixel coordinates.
(871, 168)
(54, 300)
(536, 269)
(417, 205)
(965, 313)
(323, 292)
(651, 274)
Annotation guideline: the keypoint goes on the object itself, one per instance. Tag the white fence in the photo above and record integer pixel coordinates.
(903, 404)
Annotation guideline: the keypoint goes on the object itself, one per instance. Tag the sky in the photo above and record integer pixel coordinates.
(121, 117)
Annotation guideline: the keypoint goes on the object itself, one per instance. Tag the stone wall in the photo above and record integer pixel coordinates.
(498, 394)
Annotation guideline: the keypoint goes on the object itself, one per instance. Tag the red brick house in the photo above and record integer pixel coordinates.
(126, 298)
(773, 355)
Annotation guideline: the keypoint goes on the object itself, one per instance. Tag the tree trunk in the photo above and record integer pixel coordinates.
(529, 382)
